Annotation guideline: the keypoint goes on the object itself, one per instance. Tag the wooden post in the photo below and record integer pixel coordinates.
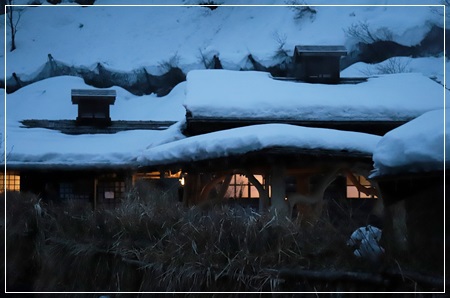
(191, 188)
(95, 193)
(302, 187)
(263, 193)
(278, 175)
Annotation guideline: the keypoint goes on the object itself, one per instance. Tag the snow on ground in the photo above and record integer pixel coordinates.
(232, 94)
(432, 67)
(127, 38)
(416, 146)
(51, 99)
(256, 137)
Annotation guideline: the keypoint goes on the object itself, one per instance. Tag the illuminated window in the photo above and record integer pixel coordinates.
(145, 176)
(241, 188)
(354, 193)
(156, 175)
(12, 181)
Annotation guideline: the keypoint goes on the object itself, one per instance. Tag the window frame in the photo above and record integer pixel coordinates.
(249, 191)
(360, 195)
(10, 181)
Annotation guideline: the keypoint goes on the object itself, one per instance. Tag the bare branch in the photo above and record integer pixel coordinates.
(362, 33)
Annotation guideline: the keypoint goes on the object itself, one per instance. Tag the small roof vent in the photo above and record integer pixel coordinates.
(93, 106)
(318, 64)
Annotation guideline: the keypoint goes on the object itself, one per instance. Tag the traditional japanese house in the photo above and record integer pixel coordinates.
(247, 136)
(90, 157)
(227, 105)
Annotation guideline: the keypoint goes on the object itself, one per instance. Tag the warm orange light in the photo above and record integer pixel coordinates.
(12, 181)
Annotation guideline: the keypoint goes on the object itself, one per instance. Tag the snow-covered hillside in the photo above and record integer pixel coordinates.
(130, 38)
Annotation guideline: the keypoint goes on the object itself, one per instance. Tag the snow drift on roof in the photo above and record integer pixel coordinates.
(242, 140)
(253, 95)
(416, 146)
(51, 99)
(45, 148)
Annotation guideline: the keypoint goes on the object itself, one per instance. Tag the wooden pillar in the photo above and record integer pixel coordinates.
(278, 177)
(302, 187)
(95, 193)
(263, 193)
(192, 189)
(394, 220)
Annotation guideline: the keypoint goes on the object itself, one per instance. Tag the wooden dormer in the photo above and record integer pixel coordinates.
(318, 64)
(93, 106)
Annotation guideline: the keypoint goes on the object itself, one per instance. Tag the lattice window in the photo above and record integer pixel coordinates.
(66, 190)
(79, 190)
(11, 182)
(241, 188)
(110, 191)
(354, 193)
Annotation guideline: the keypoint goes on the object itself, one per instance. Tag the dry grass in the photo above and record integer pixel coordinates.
(153, 243)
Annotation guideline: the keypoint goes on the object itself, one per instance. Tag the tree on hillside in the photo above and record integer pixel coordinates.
(13, 15)
(2, 4)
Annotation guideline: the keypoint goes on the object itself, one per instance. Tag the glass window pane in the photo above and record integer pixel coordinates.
(12, 181)
(364, 196)
(364, 181)
(352, 192)
(254, 192)
(241, 179)
(259, 178)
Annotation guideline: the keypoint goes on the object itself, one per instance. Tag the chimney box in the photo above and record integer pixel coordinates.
(93, 106)
(318, 64)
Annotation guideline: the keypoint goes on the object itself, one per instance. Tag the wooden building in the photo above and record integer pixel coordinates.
(78, 175)
(97, 187)
(301, 175)
(275, 175)
(268, 178)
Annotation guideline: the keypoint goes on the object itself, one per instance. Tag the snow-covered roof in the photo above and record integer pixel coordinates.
(242, 140)
(51, 99)
(256, 95)
(417, 146)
